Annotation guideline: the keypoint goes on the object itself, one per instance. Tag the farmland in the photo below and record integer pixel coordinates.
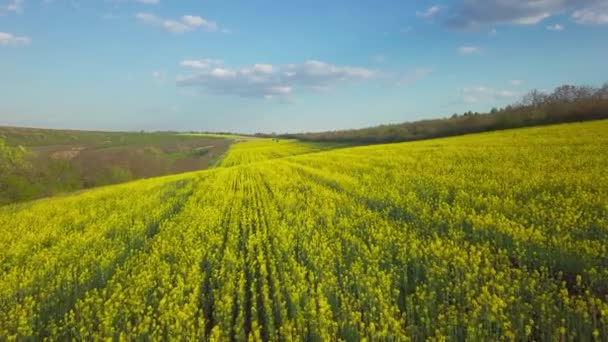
(263, 150)
(494, 236)
(59, 161)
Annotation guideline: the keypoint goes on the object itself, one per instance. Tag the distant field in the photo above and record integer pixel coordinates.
(488, 237)
(222, 136)
(267, 149)
(61, 161)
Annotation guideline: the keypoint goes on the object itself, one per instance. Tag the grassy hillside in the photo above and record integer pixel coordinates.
(495, 236)
(58, 161)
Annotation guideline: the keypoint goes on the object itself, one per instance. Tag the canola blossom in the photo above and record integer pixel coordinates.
(266, 149)
(489, 237)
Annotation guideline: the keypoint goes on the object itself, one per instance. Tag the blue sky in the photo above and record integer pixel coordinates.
(285, 66)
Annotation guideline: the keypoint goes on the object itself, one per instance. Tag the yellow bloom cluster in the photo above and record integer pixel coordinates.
(253, 151)
(491, 237)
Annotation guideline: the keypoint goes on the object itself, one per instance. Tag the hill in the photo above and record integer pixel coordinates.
(46, 162)
(481, 237)
(566, 103)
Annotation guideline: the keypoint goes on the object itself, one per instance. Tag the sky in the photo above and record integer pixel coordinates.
(286, 66)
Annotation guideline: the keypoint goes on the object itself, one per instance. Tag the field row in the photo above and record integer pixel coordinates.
(498, 236)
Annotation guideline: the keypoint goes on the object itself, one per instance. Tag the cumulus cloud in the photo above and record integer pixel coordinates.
(184, 24)
(8, 39)
(471, 14)
(556, 27)
(430, 12)
(483, 94)
(468, 50)
(267, 80)
(594, 15)
(196, 21)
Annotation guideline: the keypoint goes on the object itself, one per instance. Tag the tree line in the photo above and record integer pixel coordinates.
(567, 103)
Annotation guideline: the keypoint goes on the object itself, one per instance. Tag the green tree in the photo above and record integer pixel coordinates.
(13, 184)
(10, 157)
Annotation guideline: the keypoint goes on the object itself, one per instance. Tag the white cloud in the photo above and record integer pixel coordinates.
(595, 15)
(556, 27)
(468, 50)
(193, 20)
(196, 21)
(200, 63)
(430, 12)
(223, 74)
(148, 18)
(483, 94)
(184, 24)
(148, 2)
(270, 81)
(472, 14)
(532, 19)
(319, 70)
(8, 39)
(265, 69)
(516, 82)
(175, 26)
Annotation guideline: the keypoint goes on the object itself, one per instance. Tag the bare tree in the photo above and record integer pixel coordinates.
(585, 92)
(602, 93)
(534, 98)
(570, 93)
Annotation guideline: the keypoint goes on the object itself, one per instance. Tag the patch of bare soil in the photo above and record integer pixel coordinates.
(67, 154)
